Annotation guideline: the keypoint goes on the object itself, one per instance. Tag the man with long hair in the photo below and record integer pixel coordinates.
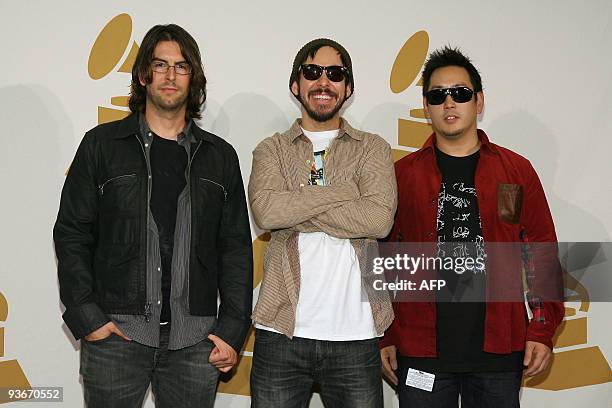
(152, 226)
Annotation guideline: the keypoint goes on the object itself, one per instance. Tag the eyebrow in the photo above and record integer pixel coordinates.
(451, 86)
(163, 60)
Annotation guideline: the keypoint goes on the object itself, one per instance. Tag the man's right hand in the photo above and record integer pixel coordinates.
(105, 331)
(389, 363)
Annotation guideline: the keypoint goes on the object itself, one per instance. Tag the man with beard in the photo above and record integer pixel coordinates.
(152, 225)
(327, 192)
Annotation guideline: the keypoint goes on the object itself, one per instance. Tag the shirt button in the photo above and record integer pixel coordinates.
(146, 145)
(150, 134)
(159, 269)
(159, 302)
(149, 176)
(430, 234)
(308, 161)
(301, 184)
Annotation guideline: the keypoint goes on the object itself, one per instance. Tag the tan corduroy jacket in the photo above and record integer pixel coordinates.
(358, 203)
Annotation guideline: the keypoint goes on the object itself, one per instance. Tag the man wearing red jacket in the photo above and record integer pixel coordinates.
(462, 190)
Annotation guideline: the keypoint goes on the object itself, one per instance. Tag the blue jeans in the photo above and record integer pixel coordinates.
(117, 373)
(477, 390)
(284, 370)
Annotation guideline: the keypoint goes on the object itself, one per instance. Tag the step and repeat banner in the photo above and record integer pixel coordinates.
(547, 75)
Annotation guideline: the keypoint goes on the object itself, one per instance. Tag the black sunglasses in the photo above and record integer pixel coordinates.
(335, 73)
(460, 94)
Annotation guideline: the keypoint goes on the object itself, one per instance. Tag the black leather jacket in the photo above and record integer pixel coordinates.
(100, 233)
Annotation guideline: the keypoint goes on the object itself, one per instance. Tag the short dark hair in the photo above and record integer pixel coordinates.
(142, 68)
(310, 50)
(448, 56)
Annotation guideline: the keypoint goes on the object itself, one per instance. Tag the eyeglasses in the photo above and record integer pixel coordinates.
(460, 94)
(335, 73)
(182, 68)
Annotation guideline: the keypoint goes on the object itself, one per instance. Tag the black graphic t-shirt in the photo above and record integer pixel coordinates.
(460, 309)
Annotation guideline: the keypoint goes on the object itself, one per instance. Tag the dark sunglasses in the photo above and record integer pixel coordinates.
(335, 73)
(460, 94)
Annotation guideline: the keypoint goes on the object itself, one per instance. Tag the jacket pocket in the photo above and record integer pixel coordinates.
(116, 181)
(216, 184)
(509, 202)
(117, 273)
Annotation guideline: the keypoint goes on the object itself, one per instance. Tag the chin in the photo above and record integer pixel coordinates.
(452, 133)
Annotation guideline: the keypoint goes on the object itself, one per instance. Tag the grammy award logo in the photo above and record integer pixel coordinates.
(411, 132)
(110, 49)
(11, 374)
(582, 364)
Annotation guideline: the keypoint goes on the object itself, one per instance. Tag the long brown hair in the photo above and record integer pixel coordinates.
(142, 68)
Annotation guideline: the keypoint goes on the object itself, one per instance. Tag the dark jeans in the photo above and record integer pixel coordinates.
(117, 373)
(477, 390)
(284, 371)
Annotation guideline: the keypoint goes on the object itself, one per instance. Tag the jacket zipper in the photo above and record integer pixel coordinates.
(101, 186)
(222, 188)
(147, 306)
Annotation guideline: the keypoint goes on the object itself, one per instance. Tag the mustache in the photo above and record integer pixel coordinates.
(323, 91)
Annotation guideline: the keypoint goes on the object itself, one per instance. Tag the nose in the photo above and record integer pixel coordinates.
(449, 102)
(171, 73)
(323, 79)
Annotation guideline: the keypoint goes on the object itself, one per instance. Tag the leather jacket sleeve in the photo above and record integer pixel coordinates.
(74, 237)
(235, 264)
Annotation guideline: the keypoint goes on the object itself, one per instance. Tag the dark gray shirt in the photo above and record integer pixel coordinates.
(186, 330)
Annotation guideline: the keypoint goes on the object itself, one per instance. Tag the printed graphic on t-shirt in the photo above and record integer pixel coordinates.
(458, 223)
(317, 174)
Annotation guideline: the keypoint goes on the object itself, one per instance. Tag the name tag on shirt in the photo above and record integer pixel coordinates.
(420, 379)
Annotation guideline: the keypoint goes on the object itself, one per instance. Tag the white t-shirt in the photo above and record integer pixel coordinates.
(331, 303)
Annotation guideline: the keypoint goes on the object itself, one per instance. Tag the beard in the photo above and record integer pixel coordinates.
(164, 104)
(318, 116)
(453, 134)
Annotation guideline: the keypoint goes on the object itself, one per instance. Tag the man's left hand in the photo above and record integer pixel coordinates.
(537, 358)
(223, 356)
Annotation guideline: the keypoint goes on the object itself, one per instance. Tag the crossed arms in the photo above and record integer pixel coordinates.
(362, 205)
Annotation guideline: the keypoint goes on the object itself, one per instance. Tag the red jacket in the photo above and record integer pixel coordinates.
(506, 325)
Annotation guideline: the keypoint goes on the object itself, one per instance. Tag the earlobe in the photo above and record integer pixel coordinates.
(348, 91)
(479, 102)
(425, 108)
(295, 89)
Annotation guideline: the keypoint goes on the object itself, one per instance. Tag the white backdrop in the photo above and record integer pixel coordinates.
(546, 68)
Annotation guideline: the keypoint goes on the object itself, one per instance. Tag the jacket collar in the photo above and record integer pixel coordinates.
(295, 130)
(131, 126)
(485, 144)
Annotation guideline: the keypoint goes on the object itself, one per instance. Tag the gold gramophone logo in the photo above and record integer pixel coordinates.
(11, 374)
(411, 132)
(109, 51)
(581, 365)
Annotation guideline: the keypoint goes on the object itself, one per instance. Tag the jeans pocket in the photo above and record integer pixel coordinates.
(263, 336)
(101, 341)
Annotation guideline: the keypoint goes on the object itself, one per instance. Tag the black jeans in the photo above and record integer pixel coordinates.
(117, 373)
(477, 390)
(284, 371)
